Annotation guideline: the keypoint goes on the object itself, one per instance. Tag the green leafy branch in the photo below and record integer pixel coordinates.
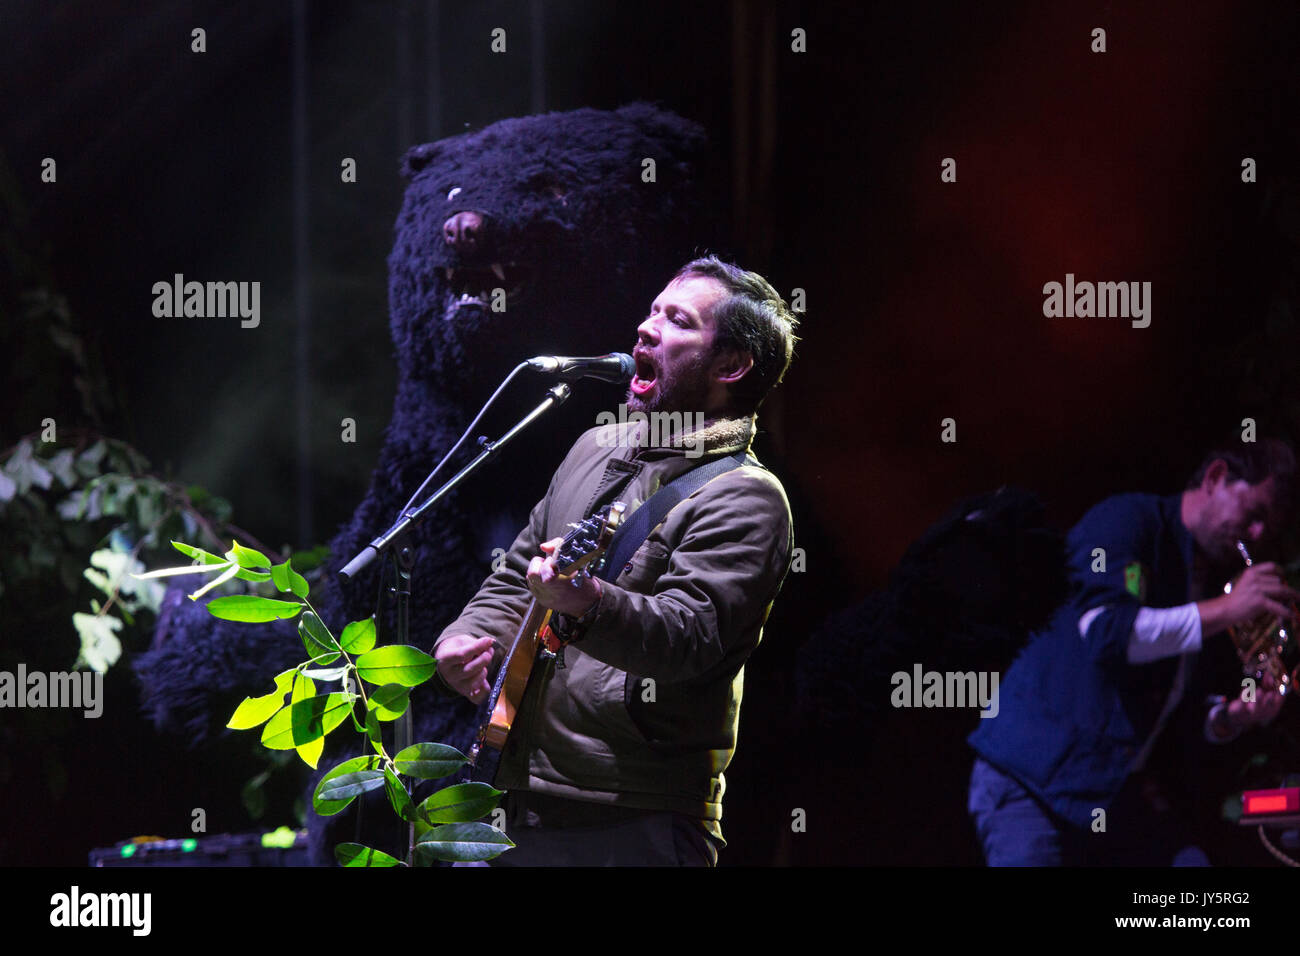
(447, 825)
(90, 509)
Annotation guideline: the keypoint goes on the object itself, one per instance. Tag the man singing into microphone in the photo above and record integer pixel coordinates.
(618, 750)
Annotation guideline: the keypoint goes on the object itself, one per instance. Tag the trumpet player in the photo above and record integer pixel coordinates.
(1062, 774)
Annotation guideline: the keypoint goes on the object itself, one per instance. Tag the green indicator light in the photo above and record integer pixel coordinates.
(128, 851)
(281, 837)
(189, 846)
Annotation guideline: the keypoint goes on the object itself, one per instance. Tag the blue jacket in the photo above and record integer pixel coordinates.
(1072, 711)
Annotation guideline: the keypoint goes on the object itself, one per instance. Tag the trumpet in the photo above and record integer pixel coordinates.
(1264, 644)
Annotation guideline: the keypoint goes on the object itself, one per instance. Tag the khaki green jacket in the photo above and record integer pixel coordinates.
(644, 711)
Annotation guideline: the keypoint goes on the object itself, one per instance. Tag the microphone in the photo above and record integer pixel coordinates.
(616, 367)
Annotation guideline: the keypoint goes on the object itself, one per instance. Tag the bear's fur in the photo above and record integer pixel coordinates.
(966, 595)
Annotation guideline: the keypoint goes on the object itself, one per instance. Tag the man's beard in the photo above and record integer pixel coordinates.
(683, 391)
(1219, 560)
(1226, 551)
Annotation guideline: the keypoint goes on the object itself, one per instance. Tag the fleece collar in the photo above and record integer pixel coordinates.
(725, 434)
(718, 437)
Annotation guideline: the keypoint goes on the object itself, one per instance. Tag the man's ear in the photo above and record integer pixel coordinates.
(731, 365)
(1215, 473)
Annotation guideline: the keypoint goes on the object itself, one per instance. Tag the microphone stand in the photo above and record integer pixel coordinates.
(555, 396)
(404, 560)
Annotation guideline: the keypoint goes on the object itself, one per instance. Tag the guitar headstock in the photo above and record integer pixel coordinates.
(585, 544)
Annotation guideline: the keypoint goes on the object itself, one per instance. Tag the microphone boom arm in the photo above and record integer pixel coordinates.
(556, 395)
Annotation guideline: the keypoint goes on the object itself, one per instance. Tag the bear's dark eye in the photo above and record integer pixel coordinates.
(453, 193)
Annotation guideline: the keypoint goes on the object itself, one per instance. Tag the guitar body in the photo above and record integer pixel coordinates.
(518, 671)
(583, 546)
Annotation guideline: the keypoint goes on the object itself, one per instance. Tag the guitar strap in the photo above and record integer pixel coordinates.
(645, 519)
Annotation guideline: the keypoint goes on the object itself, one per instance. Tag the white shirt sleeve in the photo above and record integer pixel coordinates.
(1157, 631)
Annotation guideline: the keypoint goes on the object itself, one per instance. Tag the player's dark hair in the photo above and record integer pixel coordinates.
(1253, 462)
(752, 319)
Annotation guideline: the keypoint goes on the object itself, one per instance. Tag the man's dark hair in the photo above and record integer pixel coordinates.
(754, 320)
(1253, 462)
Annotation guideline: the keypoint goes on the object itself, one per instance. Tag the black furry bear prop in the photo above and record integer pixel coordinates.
(536, 235)
(966, 595)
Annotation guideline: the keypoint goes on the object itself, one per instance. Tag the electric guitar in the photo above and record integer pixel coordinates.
(581, 548)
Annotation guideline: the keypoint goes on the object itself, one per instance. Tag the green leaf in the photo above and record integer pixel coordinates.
(460, 803)
(100, 581)
(88, 461)
(421, 828)
(247, 557)
(359, 724)
(79, 505)
(311, 751)
(359, 636)
(396, 664)
(316, 637)
(100, 647)
(397, 796)
(354, 854)
(345, 783)
(125, 458)
(303, 687)
(390, 701)
(374, 733)
(429, 761)
(287, 579)
(62, 465)
(305, 721)
(199, 554)
(148, 504)
(255, 711)
(326, 673)
(251, 608)
(346, 787)
(207, 557)
(122, 569)
(222, 578)
(463, 842)
(39, 476)
(183, 569)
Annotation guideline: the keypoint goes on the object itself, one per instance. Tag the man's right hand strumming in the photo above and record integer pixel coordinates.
(463, 662)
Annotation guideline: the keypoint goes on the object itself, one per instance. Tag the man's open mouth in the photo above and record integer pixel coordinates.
(646, 374)
(475, 287)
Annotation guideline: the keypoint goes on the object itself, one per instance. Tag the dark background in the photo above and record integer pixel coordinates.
(924, 298)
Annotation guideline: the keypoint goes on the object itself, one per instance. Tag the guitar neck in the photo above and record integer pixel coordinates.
(522, 636)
